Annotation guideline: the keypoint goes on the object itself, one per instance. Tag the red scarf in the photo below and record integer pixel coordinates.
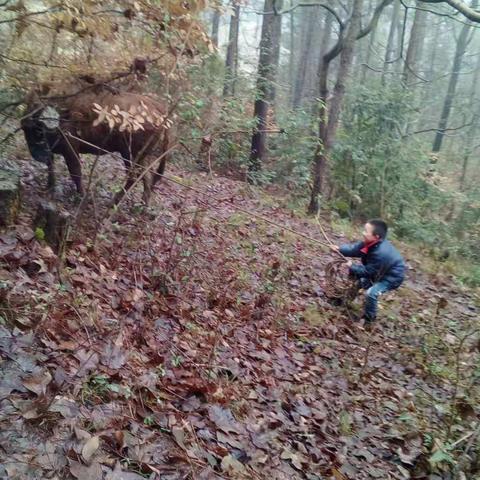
(368, 246)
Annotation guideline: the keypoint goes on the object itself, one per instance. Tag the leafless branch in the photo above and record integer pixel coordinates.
(452, 16)
(462, 7)
(338, 47)
(437, 130)
(302, 4)
(30, 14)
(374, 20)
(37, 64)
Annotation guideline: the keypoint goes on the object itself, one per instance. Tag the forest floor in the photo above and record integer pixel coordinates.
(199, 344)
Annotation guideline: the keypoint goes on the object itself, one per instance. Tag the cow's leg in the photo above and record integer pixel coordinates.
(125, 153)
(139, 167)
(147, 188)
(160, 170)
(74, 167)
(163, 161)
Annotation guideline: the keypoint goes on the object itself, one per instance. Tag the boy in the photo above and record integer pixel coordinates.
(382, 268)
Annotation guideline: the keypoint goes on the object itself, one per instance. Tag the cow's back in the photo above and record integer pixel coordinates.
(114, 122)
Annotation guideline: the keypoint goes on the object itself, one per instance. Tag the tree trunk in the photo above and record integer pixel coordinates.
(9, 196)
(460, 49)
(432, 69)
(320, 158)
(276, 42)
(308, 24)
(215, 26)
(434, 53)
(321, 87)
(391, 50)
(291, 61)
(326, 37)
(368, 56)
(473, 127)
(53, 222)
(328, 126)
(415, 46)
(318, 45)
(231, 61)
(363, 56)
(265, 77)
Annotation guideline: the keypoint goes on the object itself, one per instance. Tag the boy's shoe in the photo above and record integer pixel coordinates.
(366, 322)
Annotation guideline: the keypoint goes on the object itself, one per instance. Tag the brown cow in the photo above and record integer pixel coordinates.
(132, 125)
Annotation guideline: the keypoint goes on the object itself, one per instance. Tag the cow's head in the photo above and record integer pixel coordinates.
(35, 129)
(35, 132)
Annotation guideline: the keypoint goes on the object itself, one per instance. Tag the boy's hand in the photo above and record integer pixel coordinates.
(335, 248)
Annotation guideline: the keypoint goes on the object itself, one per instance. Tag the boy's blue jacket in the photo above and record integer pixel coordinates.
(382, 262)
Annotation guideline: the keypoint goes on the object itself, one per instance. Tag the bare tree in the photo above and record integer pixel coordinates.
(473, 128)
(265, 77)
(276, 42)
(415, 47)
(231, 61)
(470, 12)
(309, 23)
(291, 58)
(390, 53)
(215, 26)
(460, 48)
(321, 37)
(349, 33)
(364, 66)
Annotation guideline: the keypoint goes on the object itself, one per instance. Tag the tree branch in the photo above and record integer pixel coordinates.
(374, 21)
(470, 13)
(23, 60)
(437, 130)
(301, 4)
(29, 14)
(452, 16)
(338, 47)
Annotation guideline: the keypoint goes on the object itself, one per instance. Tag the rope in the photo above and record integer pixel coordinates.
(220, 200)
(338, 285)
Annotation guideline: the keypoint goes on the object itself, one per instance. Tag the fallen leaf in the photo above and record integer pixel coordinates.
(293, 457)
(65, 406)
(90, 447)
(179, 436)
(226, 439)
(38, 382)
(114, 356)
(88, 361)
(86, 472)
(118, 474)
(230, 463)
(81, 434)
(224, 419)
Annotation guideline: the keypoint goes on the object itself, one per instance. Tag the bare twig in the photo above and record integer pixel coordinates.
(466, 10)
(30, 14)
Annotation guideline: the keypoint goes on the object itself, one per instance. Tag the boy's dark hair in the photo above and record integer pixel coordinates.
(380, 228)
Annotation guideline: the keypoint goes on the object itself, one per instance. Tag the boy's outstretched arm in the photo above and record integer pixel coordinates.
(351, 250)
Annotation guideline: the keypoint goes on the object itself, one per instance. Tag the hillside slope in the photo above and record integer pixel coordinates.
(199, 344)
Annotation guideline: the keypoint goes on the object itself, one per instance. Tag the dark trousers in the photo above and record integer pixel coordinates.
(373, 290)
